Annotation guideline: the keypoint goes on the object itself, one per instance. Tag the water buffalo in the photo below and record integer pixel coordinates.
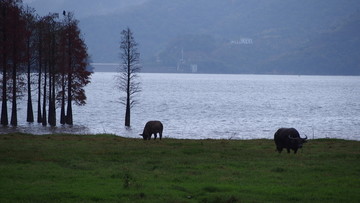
(152, 127)
(288, 138)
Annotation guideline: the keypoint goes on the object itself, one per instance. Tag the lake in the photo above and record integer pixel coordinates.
(202, 106)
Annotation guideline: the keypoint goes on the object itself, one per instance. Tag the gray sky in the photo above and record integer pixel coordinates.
(82, 8)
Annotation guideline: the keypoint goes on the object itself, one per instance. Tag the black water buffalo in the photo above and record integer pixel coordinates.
(152, 127)
(288, 138)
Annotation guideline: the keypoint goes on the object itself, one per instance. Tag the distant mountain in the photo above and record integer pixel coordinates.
(335, 51)
(229, 36)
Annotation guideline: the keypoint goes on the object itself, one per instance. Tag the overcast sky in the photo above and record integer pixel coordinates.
(82, 8)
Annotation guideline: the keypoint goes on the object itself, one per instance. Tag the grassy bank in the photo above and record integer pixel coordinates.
(74, 168)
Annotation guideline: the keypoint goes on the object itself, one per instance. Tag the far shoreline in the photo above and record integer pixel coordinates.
(113, 68)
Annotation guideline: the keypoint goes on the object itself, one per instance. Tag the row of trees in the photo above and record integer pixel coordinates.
(47, 53)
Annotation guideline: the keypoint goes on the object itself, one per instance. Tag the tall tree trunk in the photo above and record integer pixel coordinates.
(62, 113)
(127, 112)
(39, 116)
(50, 112)
(30, 113)
(69, 116)
(44, 120)
(4, 114)
(53, 102)
(13, 120)
(52, 109)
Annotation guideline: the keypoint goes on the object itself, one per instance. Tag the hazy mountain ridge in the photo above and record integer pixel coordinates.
(287, 36)
(335, 51)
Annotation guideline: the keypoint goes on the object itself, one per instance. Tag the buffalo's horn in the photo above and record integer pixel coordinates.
(141, 134)
(305, 137)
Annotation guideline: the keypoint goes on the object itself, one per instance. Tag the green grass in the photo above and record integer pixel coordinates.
(106, 168)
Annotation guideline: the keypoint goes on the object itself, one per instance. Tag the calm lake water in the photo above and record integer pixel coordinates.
(199, 106)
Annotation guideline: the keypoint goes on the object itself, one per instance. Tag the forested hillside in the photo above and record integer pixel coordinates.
(230, 36)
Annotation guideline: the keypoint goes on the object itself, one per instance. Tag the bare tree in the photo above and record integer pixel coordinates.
(127, 80)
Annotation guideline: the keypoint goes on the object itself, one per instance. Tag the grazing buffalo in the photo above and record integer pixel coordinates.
(152, 127)
(288, 138)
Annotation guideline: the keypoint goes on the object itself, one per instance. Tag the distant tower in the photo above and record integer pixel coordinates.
(194, 68)
(181, 61)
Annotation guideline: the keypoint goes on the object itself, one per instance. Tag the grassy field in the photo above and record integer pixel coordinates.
(106, 168)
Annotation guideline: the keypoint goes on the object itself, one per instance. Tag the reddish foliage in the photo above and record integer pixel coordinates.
(53, 48)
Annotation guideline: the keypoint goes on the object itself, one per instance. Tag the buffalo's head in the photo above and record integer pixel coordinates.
(144, 136)
(298, 141)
